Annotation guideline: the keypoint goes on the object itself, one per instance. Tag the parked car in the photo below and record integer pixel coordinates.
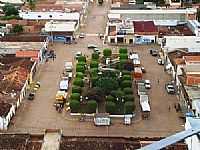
(78, 54)
(92, 46)
(160, 61)
(170, 88)
(82, 35)
(147, 84)
(97, 50)
(143, 70)
(153, 52)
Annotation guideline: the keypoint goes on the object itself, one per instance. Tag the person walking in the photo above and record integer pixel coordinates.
(169, 108)
(158, 81)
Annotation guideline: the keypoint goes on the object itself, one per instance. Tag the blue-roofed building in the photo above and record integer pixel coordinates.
(193, 142)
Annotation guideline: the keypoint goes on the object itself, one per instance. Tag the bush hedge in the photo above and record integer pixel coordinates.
(74, 106)
(94, 72)
(126, 72)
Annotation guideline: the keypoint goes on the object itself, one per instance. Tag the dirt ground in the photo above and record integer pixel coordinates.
(35, 116)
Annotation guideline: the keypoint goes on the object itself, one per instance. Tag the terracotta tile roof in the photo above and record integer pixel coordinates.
(192, 80)
(145, 27)
(48, 7)
(28, 53)
(20, 22)
(192, 58)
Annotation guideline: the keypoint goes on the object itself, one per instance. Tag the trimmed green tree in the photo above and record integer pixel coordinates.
(129, 107)
(74, 106)
(17, 28)
(123, 50)
(126, 77)
(75, 96)
(80, 68)
(10, 10)
(91, 106)
(82, 59)
(94, 64)
(126, 83)
(76, 89)
(107, 52)
(123, 56)
(80, 75)
(128, 90)
(126, 72)
(95, 56)
(110, 107)
(78, 82)
(129, 97)
(110, 98)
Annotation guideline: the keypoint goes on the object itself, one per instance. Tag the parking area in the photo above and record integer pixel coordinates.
(40, 114)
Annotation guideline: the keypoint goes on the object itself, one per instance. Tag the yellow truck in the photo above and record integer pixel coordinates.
(61, 97)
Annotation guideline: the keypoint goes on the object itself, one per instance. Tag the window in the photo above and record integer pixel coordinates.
(50, 16)
(39, 16)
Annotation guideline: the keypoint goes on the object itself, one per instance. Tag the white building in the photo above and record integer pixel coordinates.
(14, 2)
(194, 25)
(59, 16)
(194, 141)
(156, 14)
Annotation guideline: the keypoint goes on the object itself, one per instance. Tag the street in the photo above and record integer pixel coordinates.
(37, 115)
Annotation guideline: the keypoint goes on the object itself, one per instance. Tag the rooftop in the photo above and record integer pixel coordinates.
(4, 108)
(60, 26)
(144, 27)
(12, 1)
(192, 59)
(20, 46)
(49, 15)
(193, 92)
(179, 30)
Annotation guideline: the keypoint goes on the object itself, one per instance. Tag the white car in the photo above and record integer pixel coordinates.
(81, 35)
(78, 54)
(160, 61)
(147, 84)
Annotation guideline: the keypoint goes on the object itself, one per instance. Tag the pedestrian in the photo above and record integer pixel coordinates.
(169, 108)
(53, 57)
(158, 81)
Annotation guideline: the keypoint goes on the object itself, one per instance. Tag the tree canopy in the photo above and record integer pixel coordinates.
(9, 10)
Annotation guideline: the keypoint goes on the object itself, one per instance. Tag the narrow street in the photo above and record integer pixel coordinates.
(37, 115)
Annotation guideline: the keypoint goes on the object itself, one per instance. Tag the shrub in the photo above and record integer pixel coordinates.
(75, 96)
(82, 59)
(95, 56)
(107, 52)
(107, 84)
(74, 105)
(80, 68)
(129, 107)
(123, 56)
(94, 80)
(110, 107)
(81, 64)
(17, 28)
(128, 90)
(94, 72)
(129, 97)
(119, 94)
(78, 82)
(9, 10)
(126, 77)
(79, 75)
(122, 63)
(94, 64)
(91, 106)
(126, 83)
(76, 89)
(123, 50)
(110, 98)
(125, 72)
